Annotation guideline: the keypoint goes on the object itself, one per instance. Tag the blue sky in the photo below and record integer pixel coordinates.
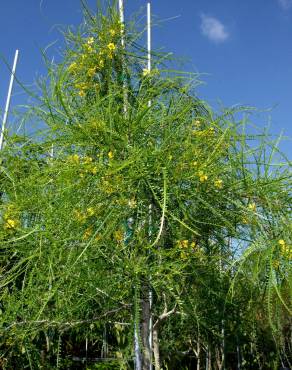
(243, 48)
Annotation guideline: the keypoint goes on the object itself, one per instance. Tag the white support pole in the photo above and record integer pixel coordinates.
(149, 36)
(6, 110)
(122, 20)
(150, 206)
(149, 41)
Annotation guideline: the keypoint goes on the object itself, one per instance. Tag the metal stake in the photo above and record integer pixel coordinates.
(8, 100)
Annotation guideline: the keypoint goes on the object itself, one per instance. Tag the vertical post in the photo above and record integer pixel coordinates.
(122, 21)
(6, 110)
(149, 36)
(150, 207)
(149, 41)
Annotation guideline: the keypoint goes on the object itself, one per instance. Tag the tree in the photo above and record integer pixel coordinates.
(170, 199)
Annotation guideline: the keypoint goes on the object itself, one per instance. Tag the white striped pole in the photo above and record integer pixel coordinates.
(6, 110)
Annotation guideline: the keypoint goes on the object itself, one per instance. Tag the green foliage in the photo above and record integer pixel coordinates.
(116, 195)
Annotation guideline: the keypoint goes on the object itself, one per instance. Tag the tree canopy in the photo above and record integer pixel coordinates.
(122, 219)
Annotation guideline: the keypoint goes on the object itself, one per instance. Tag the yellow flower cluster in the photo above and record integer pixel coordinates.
(90, 62)
(209, 132)
(95, 52)
(132, 203)
(119, 235)
(145, 72)
(252, 207)
(218, 183)
(107, 187)
(184, 244)
(197, 123)
(73, 68)
(74, 158)
(285, 249)
(81, 217)
(11, 224)
(11, 221)
(202, 176)
(88, 233)
(85, 161)
(187, 248)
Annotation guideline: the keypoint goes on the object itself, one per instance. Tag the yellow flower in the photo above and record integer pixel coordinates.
(145, 72)
(197, 123)
(101, 63)
(252, 207)
(245, 220)
(90, 41)
(81, 93)
(111, 46)
(211, 131)
(74, 158)
(88, 48)
(90, 211)
(193, 244)
(132, 203)
(286, 250)
(94, 170)
(11, 224)
(79, 216)
(281, 242)
(98, 237)
(112, 32)
(72, 67)
(110, 154)
(91, 72)
(184, 255)
(202, 176)
(183, 243)
(276, 264)
(119, 236)
(88, 233)
(82, 85)
(87, 160)
(218, 184)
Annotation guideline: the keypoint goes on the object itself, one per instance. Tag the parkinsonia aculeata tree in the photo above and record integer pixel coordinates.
(105, 204)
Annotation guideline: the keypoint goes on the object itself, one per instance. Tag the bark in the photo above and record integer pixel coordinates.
(219, 360)
(208, 358)
(156, 349)
(198, 354)
(145, 325)
(156, 326)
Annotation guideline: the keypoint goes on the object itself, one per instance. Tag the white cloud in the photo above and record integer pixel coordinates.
(214, 29)
(285, 4)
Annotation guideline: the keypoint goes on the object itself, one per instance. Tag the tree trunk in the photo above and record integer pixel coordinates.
(208, 358)
(145, 325)
(198, 354)
(156, 349)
